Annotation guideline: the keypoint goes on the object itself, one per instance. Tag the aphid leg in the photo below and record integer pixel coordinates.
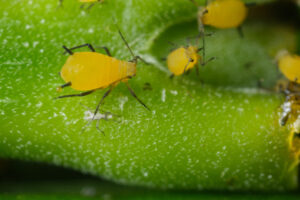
(134, 95)
(87, 124)
(101, 101)
(185, 67)
(76, 95)
(97, 127)
(173, 44)
(67, 50)
(197, 70)
(202, 34)
(209, 60)
(134, 60)
(84, 45)
(240, 31)
(141, 59)
(63, 86)
(199, 49)
(105, 49)
(90, 6)
(93, 4)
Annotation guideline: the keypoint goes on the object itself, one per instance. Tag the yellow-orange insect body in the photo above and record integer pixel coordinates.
(225, 13)
(289, 65)
(182, 59)
(92, 70)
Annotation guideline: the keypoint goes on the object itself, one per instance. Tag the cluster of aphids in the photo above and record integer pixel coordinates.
(92, 71)
(289, 65)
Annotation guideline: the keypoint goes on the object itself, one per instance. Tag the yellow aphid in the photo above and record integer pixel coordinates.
(225, 13)
(220, 14)
(289, 65)
(91, 71)
(182, 59)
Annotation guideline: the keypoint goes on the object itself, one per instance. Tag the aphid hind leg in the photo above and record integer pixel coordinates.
(76, 95)
(134, 95)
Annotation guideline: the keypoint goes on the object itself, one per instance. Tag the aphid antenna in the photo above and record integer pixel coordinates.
(126, 43)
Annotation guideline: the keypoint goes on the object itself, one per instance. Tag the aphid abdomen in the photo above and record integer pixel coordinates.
(90, 70)
(289, 65)
(225, 14)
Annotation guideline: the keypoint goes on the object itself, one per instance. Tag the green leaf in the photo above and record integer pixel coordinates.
(223, 134)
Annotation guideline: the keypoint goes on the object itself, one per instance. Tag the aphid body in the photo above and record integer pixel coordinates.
(91, 70)
(182, 59)
(289, 65)
(224, 13)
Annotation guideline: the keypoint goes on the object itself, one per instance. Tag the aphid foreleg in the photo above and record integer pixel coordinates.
(209, 60)
(185, 67)
(134, 95)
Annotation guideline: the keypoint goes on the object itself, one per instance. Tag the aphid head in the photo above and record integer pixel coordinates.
(192, 54)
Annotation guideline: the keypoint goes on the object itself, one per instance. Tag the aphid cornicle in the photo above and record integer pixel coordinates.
(92, 71)
(220, 14)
